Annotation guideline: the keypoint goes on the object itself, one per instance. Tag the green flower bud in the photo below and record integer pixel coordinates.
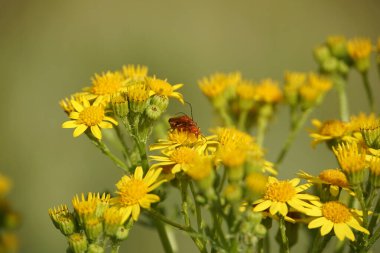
(343, 68)
(160, 101)
(321, 54)
(362, 64)
(120, 106)
(93, 228)
(78, 243)
(330, 64)
(94, 248)
(122, 233)
(67, 225)
(153, 112)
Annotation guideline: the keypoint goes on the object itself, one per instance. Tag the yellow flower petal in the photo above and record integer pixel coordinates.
(135, 212)
(105, 124)
(70, 124)
(262, 206)
(318, 222)
(79, 130)
(77, 106)
(95, 130)
(138, 173)
(326, 227)
(340, 230)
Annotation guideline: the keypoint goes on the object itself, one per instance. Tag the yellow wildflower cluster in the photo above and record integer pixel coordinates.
(115, 94)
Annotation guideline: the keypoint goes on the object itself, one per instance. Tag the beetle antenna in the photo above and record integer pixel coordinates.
(191, 109)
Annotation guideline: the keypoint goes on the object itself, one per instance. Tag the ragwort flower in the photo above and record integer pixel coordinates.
(162, 87)
(281, 194)
(133, 192)
(335, 215)
(89, 116)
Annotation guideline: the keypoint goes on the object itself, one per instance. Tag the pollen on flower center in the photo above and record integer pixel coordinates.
(183, 155)
(336, 212)
(334, 177)
(132, 192)
(161, 87)
(92, 115)
(281, 191)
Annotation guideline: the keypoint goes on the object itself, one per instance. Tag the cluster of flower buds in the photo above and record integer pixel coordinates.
(92, 225)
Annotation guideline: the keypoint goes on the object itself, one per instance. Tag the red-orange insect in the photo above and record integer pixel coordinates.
(186, 124)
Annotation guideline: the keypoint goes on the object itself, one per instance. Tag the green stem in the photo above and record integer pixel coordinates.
(198, 212)
(292, 135)
(375, 216)
(340, 85)
(115, 248)
(368, 90)
(126, 150)
(262, 125)
(166, 220)
(373, 239)
(225, 117)
(242, 120)
(105, 150)
(284, 238)
(164, 237)
(363, 239)
(218, 232)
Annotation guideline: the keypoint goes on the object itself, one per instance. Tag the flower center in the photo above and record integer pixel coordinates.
(334, 128)
(334, 177)
(107, 84)
(183, 155)
(281, 191)
(336, 212)
(132, 192)
(92, 115)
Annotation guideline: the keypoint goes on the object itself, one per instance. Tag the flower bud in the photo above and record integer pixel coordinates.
(122, 233)
(160, 101)
(120, 106)
(153, 112)
(94, 248)
(78, 243)
(233, 192)
(93, 228)
(260, 230)
(330, 65)
(321, 54)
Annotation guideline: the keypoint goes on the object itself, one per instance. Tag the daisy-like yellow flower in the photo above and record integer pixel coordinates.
(256, 182)
(179, 159)
(268, 92)
(163, 88)
(335, 178)
(133, 191)
(279, 195)
(331, 131)
(88, 116)
(246, 90)
(200, 169)
(359, 48)
(114, 217)
(335, 215)
(135, 73)
(106, 85)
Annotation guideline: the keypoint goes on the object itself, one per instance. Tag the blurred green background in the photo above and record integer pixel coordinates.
(50, 49)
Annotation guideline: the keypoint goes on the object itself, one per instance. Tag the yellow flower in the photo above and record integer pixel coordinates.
(359, 48)
(178, 138)
(281, 194)
(200, 168)
(335, 178)
(91, 207)
(135, 73)
(217, 84)
(268, 92)
(246, 90)
(163, 88)
(179, 159)
(352, 160)
(134, 191)
(106, 85)
(293, 82)
(114, 217)
(88, 116)
(337, 216)
(332, 130)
